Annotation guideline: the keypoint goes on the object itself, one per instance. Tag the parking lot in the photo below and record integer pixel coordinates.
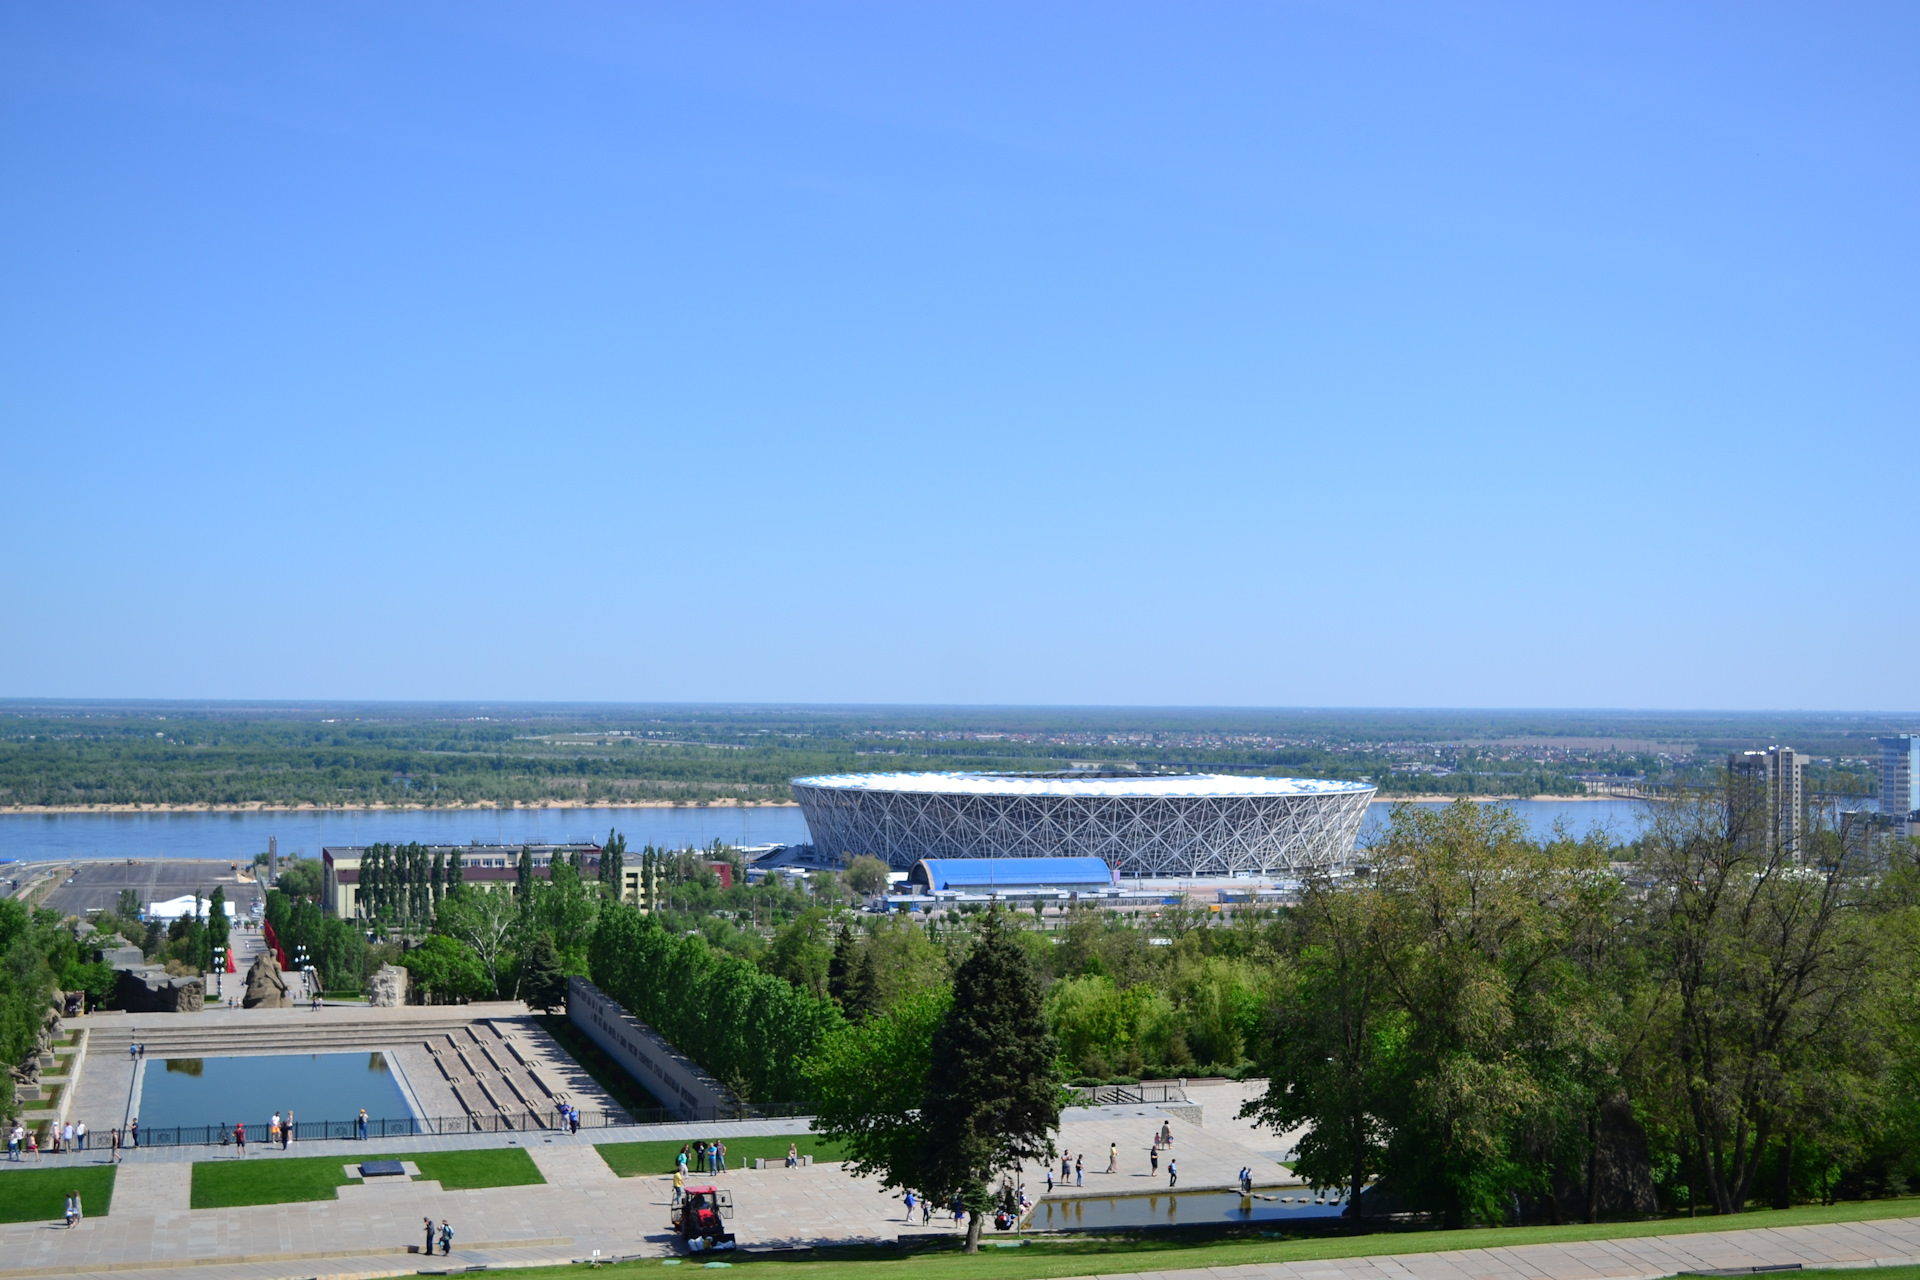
(97, 885)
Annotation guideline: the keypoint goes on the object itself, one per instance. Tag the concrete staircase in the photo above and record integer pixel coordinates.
(491, 1074)
(175, 1035)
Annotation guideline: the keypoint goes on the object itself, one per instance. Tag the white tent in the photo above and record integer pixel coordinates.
(173, 908)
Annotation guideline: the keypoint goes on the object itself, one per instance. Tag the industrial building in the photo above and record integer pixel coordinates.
(1135, 824)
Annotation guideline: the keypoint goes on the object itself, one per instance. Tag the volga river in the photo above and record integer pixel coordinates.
(238, 836)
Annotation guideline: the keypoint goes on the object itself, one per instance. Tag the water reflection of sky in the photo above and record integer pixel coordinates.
(1176, 1209)
(320, 1086)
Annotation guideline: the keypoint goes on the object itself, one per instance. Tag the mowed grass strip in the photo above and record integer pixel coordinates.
(645, 1159)
(230, 1183)
(36, 1195)
(471, 1170)
(1047, 1259)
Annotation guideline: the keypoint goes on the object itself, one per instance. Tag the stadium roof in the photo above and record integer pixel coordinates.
(1010, 873)
(1143, 786)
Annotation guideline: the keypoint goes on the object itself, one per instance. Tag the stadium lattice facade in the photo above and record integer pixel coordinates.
(1194, 825)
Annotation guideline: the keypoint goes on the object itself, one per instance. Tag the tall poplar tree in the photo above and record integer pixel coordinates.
(525, 885)
(993, 1092)
(613, 864)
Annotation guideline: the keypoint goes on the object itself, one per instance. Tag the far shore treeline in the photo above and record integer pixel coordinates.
(75, 755)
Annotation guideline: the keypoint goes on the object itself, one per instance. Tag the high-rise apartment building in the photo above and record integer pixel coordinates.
(1768, 790)
(1900, 781)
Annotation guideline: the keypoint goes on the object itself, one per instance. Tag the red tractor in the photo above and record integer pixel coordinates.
(700, 1219)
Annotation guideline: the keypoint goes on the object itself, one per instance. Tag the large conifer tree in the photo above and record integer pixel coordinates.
(993, 1096)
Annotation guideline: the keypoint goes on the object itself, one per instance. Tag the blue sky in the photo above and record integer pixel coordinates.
(1356, 354)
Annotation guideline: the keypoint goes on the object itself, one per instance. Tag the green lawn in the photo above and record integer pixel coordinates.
(1043, 1259)
(223, 1184)
(34, 1195)
(638, 1159)
(469, 1170)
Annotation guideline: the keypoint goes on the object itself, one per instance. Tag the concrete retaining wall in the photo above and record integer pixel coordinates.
(669, 1075)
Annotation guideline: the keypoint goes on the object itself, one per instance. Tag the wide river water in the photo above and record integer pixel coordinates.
(238, 836)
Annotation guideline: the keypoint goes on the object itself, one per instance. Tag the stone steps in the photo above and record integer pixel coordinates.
(211, 1041)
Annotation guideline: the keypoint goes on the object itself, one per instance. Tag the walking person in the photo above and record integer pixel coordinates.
(273, 1130)
(69, 1138)
(240, 1138)
(73, 1208)
(679, 1181)
(1153, 1158)
(13, 1143)
(1173, 1172)
(1079, 1173)
(719, 1155)
(116, 1146)
(1113, 1157)
(83, 1135)
(446, 1238)
(133, 1132)
(286, 1132)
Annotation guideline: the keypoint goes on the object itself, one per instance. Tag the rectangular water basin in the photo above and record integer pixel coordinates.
(186, 1093)
(1179, 1209)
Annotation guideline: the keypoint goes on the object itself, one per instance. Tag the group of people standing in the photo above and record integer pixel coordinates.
(706, 1157)
(446, 1236)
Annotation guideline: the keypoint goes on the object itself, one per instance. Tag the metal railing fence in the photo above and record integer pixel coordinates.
(221, 1135)
(1108, 1095)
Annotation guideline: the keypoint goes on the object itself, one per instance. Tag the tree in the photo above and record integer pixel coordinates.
(216, 922)
(993, 1095)
(486, 922)
(445, 970)
(524, 886)
(867, 875)
(868, 1083)
(1328, 1042)
(800, 954)
(613, 864)
(543, 984)
(1765, 964)
(128, 906)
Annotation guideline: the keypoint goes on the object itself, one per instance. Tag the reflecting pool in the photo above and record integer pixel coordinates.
(182, 1092)
(1176, 1208)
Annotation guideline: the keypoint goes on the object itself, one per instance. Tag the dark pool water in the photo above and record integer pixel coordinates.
(318, 1086)
(1172, 1209)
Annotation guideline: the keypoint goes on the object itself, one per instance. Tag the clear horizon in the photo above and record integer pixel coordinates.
(1455, 356)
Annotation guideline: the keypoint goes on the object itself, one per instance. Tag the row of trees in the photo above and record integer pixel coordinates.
(1495, 1027)
(750, 1030)
(405, 883)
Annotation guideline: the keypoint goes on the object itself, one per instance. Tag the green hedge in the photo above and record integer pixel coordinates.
(750, 1030)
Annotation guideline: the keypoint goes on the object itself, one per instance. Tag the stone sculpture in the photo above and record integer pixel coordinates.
(389, 987)
(266, 989)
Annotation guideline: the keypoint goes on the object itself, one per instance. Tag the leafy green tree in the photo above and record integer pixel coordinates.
(300, 878)
(800, 953)
(1329, 1042)
(543, 983)
(1767, 967)
(523, 887)
(869, 1082)
(867, 875)
(613, 863)
(128, 906)
(445, 970)
(487, 922)
(993, 1092)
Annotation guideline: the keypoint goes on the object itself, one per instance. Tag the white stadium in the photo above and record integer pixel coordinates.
(1141, 825)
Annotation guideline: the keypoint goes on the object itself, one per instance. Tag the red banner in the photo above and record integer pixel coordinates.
(230, 968)
(273, 945)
